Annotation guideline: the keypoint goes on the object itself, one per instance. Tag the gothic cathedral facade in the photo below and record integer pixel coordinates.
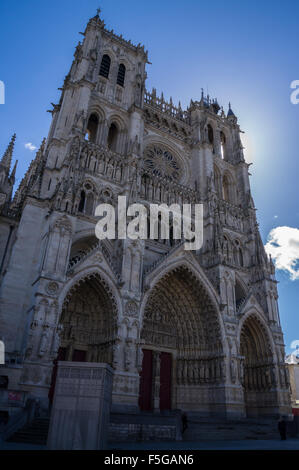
(197, 331)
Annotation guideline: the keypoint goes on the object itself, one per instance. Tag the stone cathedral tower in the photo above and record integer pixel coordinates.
(196, 331)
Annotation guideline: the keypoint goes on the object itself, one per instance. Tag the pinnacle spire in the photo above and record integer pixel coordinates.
(13, 173)
(230, 111)
(7, 157)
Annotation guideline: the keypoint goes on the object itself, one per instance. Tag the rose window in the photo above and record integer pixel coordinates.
(162, 163)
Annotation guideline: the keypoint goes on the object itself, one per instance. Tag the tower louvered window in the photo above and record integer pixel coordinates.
(105, 66)
(121, 75)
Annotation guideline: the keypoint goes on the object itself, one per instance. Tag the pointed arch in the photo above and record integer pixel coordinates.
(121, 75)
(92, 128)
(223, 145)
(210, 131)
(89, 204)
(112, 138)
(103, 277)
(217, 181)
(228, 188)
(188, 307)
(258, 372)
(187, 262)
(82, 201)
(182, 333)
(105, 66)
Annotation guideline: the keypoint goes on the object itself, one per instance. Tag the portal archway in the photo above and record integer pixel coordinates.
(87, 325)
(183, 351)
(258, 370)
(89, 321)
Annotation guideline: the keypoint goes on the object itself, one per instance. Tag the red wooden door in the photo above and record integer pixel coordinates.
(60, 357)
(165, 381)
(79, 356)
(146, 379)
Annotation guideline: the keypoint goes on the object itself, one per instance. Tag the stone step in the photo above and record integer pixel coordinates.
(23, 440)
(35, 433)
(206, 431)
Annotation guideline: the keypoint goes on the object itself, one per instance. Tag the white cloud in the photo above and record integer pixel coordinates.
(30, 147)
(276, 217)
(295, 344)
(283, 246)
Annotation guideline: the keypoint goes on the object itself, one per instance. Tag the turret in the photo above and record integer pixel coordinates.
(7, 180)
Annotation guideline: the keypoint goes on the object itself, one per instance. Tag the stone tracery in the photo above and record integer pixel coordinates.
(180, 316)
(162, 163)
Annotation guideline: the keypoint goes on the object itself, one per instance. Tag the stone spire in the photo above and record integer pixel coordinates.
(13, 173)
(230, 111)
(7, 157)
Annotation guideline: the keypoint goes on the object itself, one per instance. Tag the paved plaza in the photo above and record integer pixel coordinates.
(289, 444)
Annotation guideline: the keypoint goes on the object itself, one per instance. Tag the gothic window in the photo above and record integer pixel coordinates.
(81, 247)
(225, 189)
(112, 137)
(89, 204)
(105, 66)
(162, 163)
(228, 189)
(121, 75)
(238, 254)
(210, 134)
(225, 247)
(82, 202)
(223, 145)
(240, 294)
(92, 128)
(217, 181)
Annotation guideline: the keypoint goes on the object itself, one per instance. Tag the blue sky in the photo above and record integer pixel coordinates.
(245, 52)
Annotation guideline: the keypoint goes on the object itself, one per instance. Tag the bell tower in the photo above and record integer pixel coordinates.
(101, 98)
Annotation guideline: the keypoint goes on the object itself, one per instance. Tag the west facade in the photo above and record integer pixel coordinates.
(197, 331)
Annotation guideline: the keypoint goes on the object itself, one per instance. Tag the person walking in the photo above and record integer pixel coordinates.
(184, 422)
(282, 428)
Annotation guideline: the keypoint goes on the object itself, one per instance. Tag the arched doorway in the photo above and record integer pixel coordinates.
(182, 354)
(88, 325)
(258, 371)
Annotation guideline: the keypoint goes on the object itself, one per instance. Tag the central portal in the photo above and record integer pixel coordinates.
(182, 350)
(155, 381)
